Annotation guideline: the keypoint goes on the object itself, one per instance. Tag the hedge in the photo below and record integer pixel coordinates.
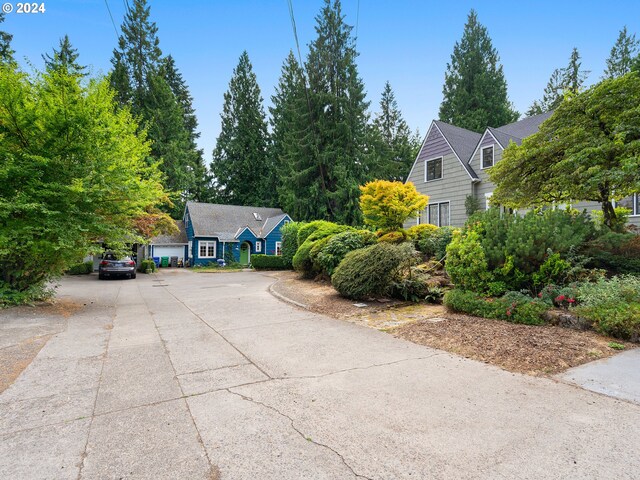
(269, 262)
(81, 269)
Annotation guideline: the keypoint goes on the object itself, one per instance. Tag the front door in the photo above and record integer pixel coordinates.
(244, 254)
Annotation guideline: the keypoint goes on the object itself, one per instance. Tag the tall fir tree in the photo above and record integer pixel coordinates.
(328, 160)
(475, 90)
(622, 54)
(66, 58)
(241, 163)
(6, 52)
(151, 87)
(396, 147)
(286, 114)
(562, 81)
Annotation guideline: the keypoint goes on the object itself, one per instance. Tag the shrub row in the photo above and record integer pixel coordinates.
(147, 264)
(268, 262)
(81, 269)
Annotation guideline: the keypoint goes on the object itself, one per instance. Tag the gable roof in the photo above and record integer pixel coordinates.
(225, 221)
(178, 238)
(462, 141)
(517, 131)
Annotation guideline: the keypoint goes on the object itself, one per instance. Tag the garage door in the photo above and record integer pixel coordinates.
(160, 251)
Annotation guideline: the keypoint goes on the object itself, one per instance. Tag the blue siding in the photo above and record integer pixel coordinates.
(274, 236)
(248, 236)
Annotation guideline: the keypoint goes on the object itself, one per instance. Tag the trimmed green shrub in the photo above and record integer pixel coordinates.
(147, 264)
(371, 271)
(434, 243)
(305, 230)
(393, 237)
(289, 234)
(612, 305)
(513, 307)
(466, 262)
(81, 269)
(338, 245)
(302, 260)
(268, 262)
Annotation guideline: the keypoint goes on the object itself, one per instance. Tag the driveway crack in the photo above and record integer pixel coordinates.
(299, 432)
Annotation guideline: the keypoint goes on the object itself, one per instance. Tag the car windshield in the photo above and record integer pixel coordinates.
(113, 256)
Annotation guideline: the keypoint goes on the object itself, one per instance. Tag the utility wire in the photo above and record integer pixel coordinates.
(115, 29)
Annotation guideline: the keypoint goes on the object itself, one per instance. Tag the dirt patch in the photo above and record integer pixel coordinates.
(62, 307)
(533, 350)
(320, 297)
(15, 358)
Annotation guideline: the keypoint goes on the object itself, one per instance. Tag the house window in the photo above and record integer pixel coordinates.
(278, 248)
(487, 157)
(438, 214)
(632, 203)
(433, 169)
(207, 249)
(258, 246)
(487, 200)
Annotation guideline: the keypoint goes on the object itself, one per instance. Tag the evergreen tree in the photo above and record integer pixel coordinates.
(328, 160)
(396, 146)
(562, 80)
(241, 163)
(475, 90)
(64, 58)
(622, 55)
(152, 88)
(288, 107)
(6, 52)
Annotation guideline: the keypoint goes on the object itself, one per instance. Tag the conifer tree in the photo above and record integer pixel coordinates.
(622, 54)
(6, 52)
(574, 77)
(328, 160)
(64, 58)
(241, 162)
(475, 90)
(151, 87)
(396, 146)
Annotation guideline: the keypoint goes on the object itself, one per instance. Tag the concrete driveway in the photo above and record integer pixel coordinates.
(183, 375)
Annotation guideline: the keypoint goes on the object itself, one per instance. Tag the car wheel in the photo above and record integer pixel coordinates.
(100, 276)
(133, 275)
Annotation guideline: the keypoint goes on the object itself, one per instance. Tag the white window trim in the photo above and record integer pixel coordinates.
(493, 156)
(258, 246)
(437, 224)
(635, 212)
(278, 244)
(441, 169)
(206, 243)
(487, 200)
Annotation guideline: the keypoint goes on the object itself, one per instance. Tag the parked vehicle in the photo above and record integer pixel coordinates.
(112, 266)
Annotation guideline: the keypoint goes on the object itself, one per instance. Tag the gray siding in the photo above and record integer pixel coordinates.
(590, 206)
(485, 185)
(454, 185)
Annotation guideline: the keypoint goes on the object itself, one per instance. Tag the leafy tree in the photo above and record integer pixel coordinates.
(622, 53)
(394, 143)
(475, 90)
(73, 174)
(155, 92)
(241, 163)
(588, 150)
(64, 58)
(328, 159)
(6, 52)
(387, 205)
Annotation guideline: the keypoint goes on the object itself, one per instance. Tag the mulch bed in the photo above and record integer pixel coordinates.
(533, 350)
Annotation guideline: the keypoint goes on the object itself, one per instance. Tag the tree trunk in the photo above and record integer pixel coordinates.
(608, 214)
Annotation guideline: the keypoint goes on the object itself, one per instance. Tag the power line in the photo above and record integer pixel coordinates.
(295, 30)
(115, 29)
(357, 19)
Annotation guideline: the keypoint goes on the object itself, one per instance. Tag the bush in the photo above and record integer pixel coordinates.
(513, 307)
(338, 245)
(147, 264)
(81, 269)
(466, 262)
(305, 230)
(302, 260)
(370, 271)
(393, 237)
(268, 262)
(613, 306)
(417, 231)
(435, 244)
(618, 253)
(417, 286)
(289, 234)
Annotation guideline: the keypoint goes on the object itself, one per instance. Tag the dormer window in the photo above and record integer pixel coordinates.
(487, 157)
(257, 216)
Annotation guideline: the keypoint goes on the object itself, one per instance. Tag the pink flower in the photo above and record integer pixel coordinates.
(508, 313)
(560, 298)
(540, 295)
(572, 300)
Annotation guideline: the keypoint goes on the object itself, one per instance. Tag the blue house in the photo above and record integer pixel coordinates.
(229, 231)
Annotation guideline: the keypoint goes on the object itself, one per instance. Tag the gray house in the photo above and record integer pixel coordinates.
(452, 164)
